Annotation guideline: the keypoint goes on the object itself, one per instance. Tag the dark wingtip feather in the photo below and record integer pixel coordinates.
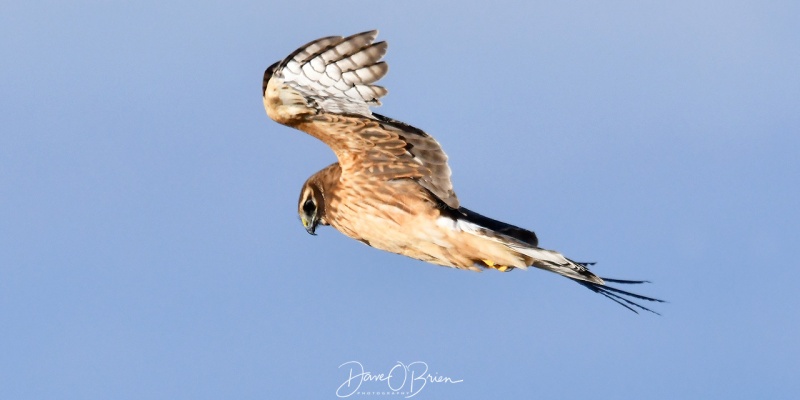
(617, 295)
(624, 281)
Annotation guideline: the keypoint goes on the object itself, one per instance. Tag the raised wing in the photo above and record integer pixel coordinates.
(325, 88)
(335, 74)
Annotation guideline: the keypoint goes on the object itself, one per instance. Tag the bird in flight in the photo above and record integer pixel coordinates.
(391, 188)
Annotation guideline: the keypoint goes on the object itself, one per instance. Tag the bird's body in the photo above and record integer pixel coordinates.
(382, 224)
(391, 188)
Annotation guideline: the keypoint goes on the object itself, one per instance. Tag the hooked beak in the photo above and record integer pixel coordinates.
(311, 226)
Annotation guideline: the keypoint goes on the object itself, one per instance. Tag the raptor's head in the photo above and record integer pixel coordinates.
(311, 206)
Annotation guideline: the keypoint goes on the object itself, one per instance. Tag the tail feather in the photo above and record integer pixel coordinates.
(525, 243)
(554, 261)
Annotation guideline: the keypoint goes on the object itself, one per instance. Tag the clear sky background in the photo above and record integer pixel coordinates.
(150, 246)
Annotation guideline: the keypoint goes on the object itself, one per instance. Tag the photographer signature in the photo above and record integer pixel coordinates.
(408, 379)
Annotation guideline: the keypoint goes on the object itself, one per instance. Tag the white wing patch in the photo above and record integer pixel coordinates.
(336, 74)
(459, 225)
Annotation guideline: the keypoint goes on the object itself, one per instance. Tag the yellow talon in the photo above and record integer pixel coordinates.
(491, 264)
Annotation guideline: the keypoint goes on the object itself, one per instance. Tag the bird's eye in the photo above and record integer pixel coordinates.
(309, 207)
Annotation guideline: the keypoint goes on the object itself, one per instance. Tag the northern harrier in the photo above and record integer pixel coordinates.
(391, 188)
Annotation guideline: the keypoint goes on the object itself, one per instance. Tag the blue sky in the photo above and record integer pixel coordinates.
(150, 246)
